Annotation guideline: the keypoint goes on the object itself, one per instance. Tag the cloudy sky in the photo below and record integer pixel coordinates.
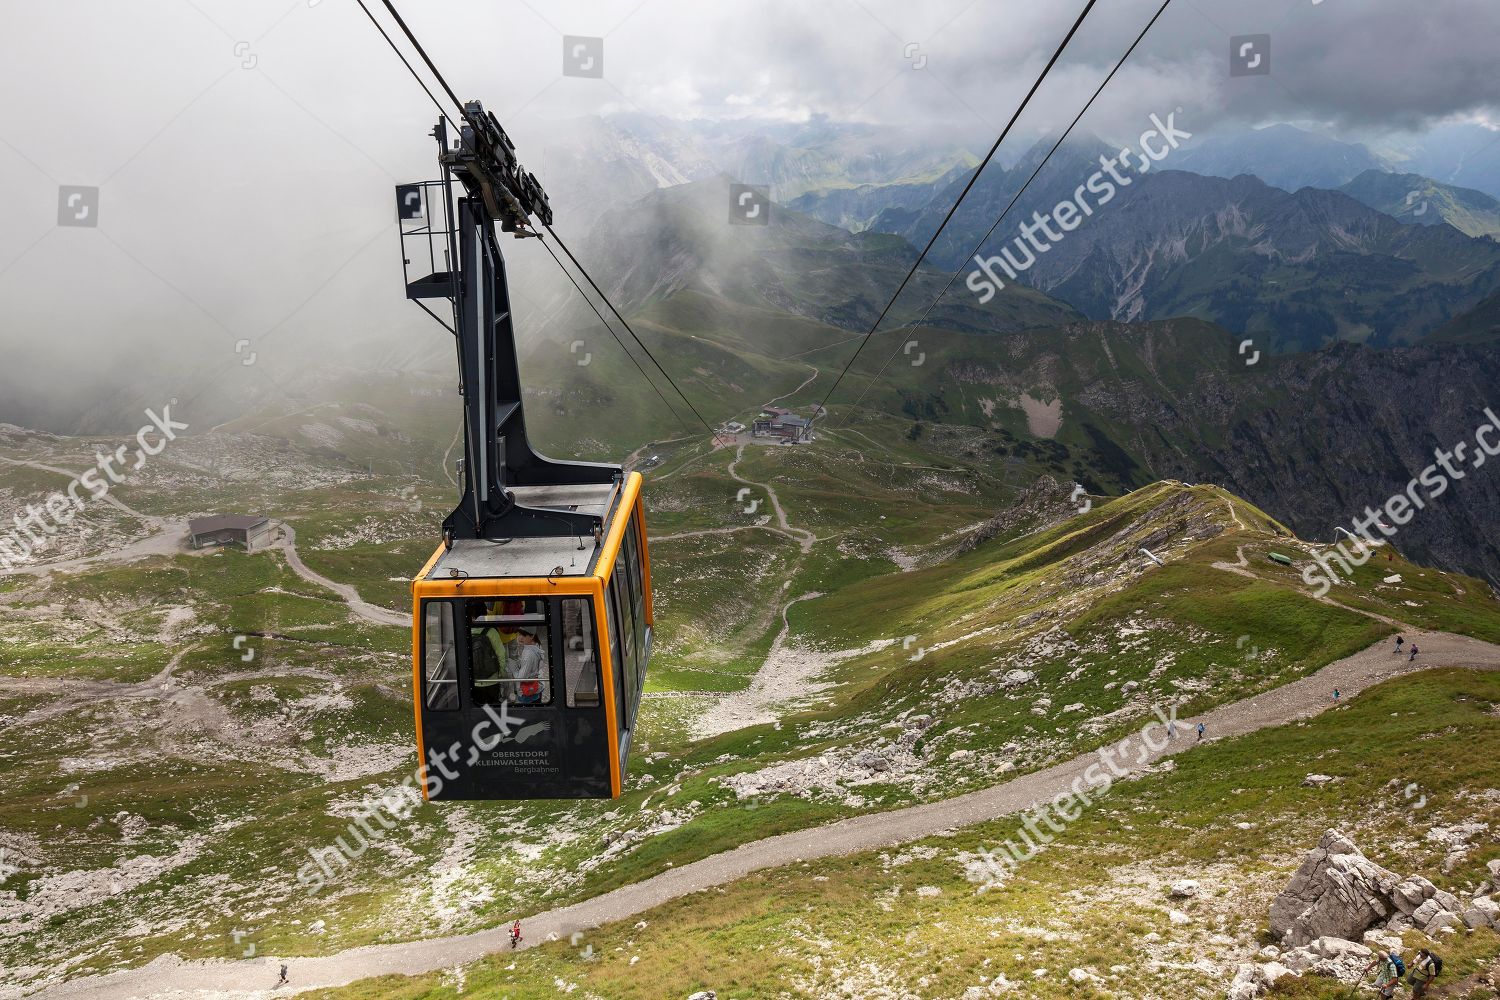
(244, 150)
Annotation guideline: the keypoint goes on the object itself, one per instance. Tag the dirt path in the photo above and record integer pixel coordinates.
(369, 612)
(786, 675)
(166, 539)
(810, 379)
(163, 539)
(634, 457)
(1240, 524)
(1242, 568)
(805, 538)
(77, 692)
(447, 466)
(703, 532)
(168, 977)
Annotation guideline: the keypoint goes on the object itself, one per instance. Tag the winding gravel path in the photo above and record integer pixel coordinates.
(806, 539)
(166, 539)
(255, 978)
(369, 612)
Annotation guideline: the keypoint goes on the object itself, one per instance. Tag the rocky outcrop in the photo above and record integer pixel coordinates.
(1330, 957)
(1337, 892)
(1337, 895)
(1427, 908)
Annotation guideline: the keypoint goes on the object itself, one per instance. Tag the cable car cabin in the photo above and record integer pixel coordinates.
(531, 624)
(530, 654)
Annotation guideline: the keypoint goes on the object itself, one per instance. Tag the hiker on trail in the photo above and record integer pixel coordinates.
(1414, 652)
(1388, 973)
(1423, 971)
(284, 980)
(1201, 728)
(515, 933)
(1335, 696)
(1399, 640)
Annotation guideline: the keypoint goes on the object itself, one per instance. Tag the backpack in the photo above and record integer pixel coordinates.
(1399, 965)
(1437, 965)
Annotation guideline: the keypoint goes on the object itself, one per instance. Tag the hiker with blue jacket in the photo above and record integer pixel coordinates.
(1389, 970)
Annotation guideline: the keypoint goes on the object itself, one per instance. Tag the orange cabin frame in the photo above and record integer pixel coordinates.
(629, 508)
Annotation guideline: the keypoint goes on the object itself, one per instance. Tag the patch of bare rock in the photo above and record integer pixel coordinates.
(1340, 909)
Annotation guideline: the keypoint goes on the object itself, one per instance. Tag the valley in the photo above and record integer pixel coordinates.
(1054, 500)
(916, 618)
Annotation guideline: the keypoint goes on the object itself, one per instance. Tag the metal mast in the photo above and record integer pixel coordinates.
(492, 189)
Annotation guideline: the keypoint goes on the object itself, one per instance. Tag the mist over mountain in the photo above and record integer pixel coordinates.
(681, 239)
(1298, 269)
(1282, 155)
(1422, 201)
(1461, 153)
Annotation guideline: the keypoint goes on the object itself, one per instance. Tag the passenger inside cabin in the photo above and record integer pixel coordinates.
(494, 647)
(528, 669)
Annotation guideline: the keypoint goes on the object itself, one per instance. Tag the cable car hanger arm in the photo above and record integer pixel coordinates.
(492, 189)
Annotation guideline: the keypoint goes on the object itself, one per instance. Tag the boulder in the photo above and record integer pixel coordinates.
(704, 995)
(1272, 971)
(1494, 867)
(1422, 914)
(1336, 892)
(1015, 678)
(1488, 907)
(1318, 780)
(1447, 901)
(1329, 956)
(1246, 984)
(1183, 888)
(1475, 918)
(1443, 921)
(1253, 980)
(1333, 947)
(1411, 893)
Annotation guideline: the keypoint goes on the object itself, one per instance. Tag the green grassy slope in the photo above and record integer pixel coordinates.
(915, 922)
(237, 768)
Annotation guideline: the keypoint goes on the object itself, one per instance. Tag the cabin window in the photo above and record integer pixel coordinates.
(440, 657)
(612, 630)
(580, 655)
(510, 651)
(629, 666)
(637, 595)
(627, 581)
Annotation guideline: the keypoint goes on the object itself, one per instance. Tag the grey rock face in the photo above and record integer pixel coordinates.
(1337, 892)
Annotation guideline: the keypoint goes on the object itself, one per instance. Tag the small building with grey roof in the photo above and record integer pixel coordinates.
(245, 530)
